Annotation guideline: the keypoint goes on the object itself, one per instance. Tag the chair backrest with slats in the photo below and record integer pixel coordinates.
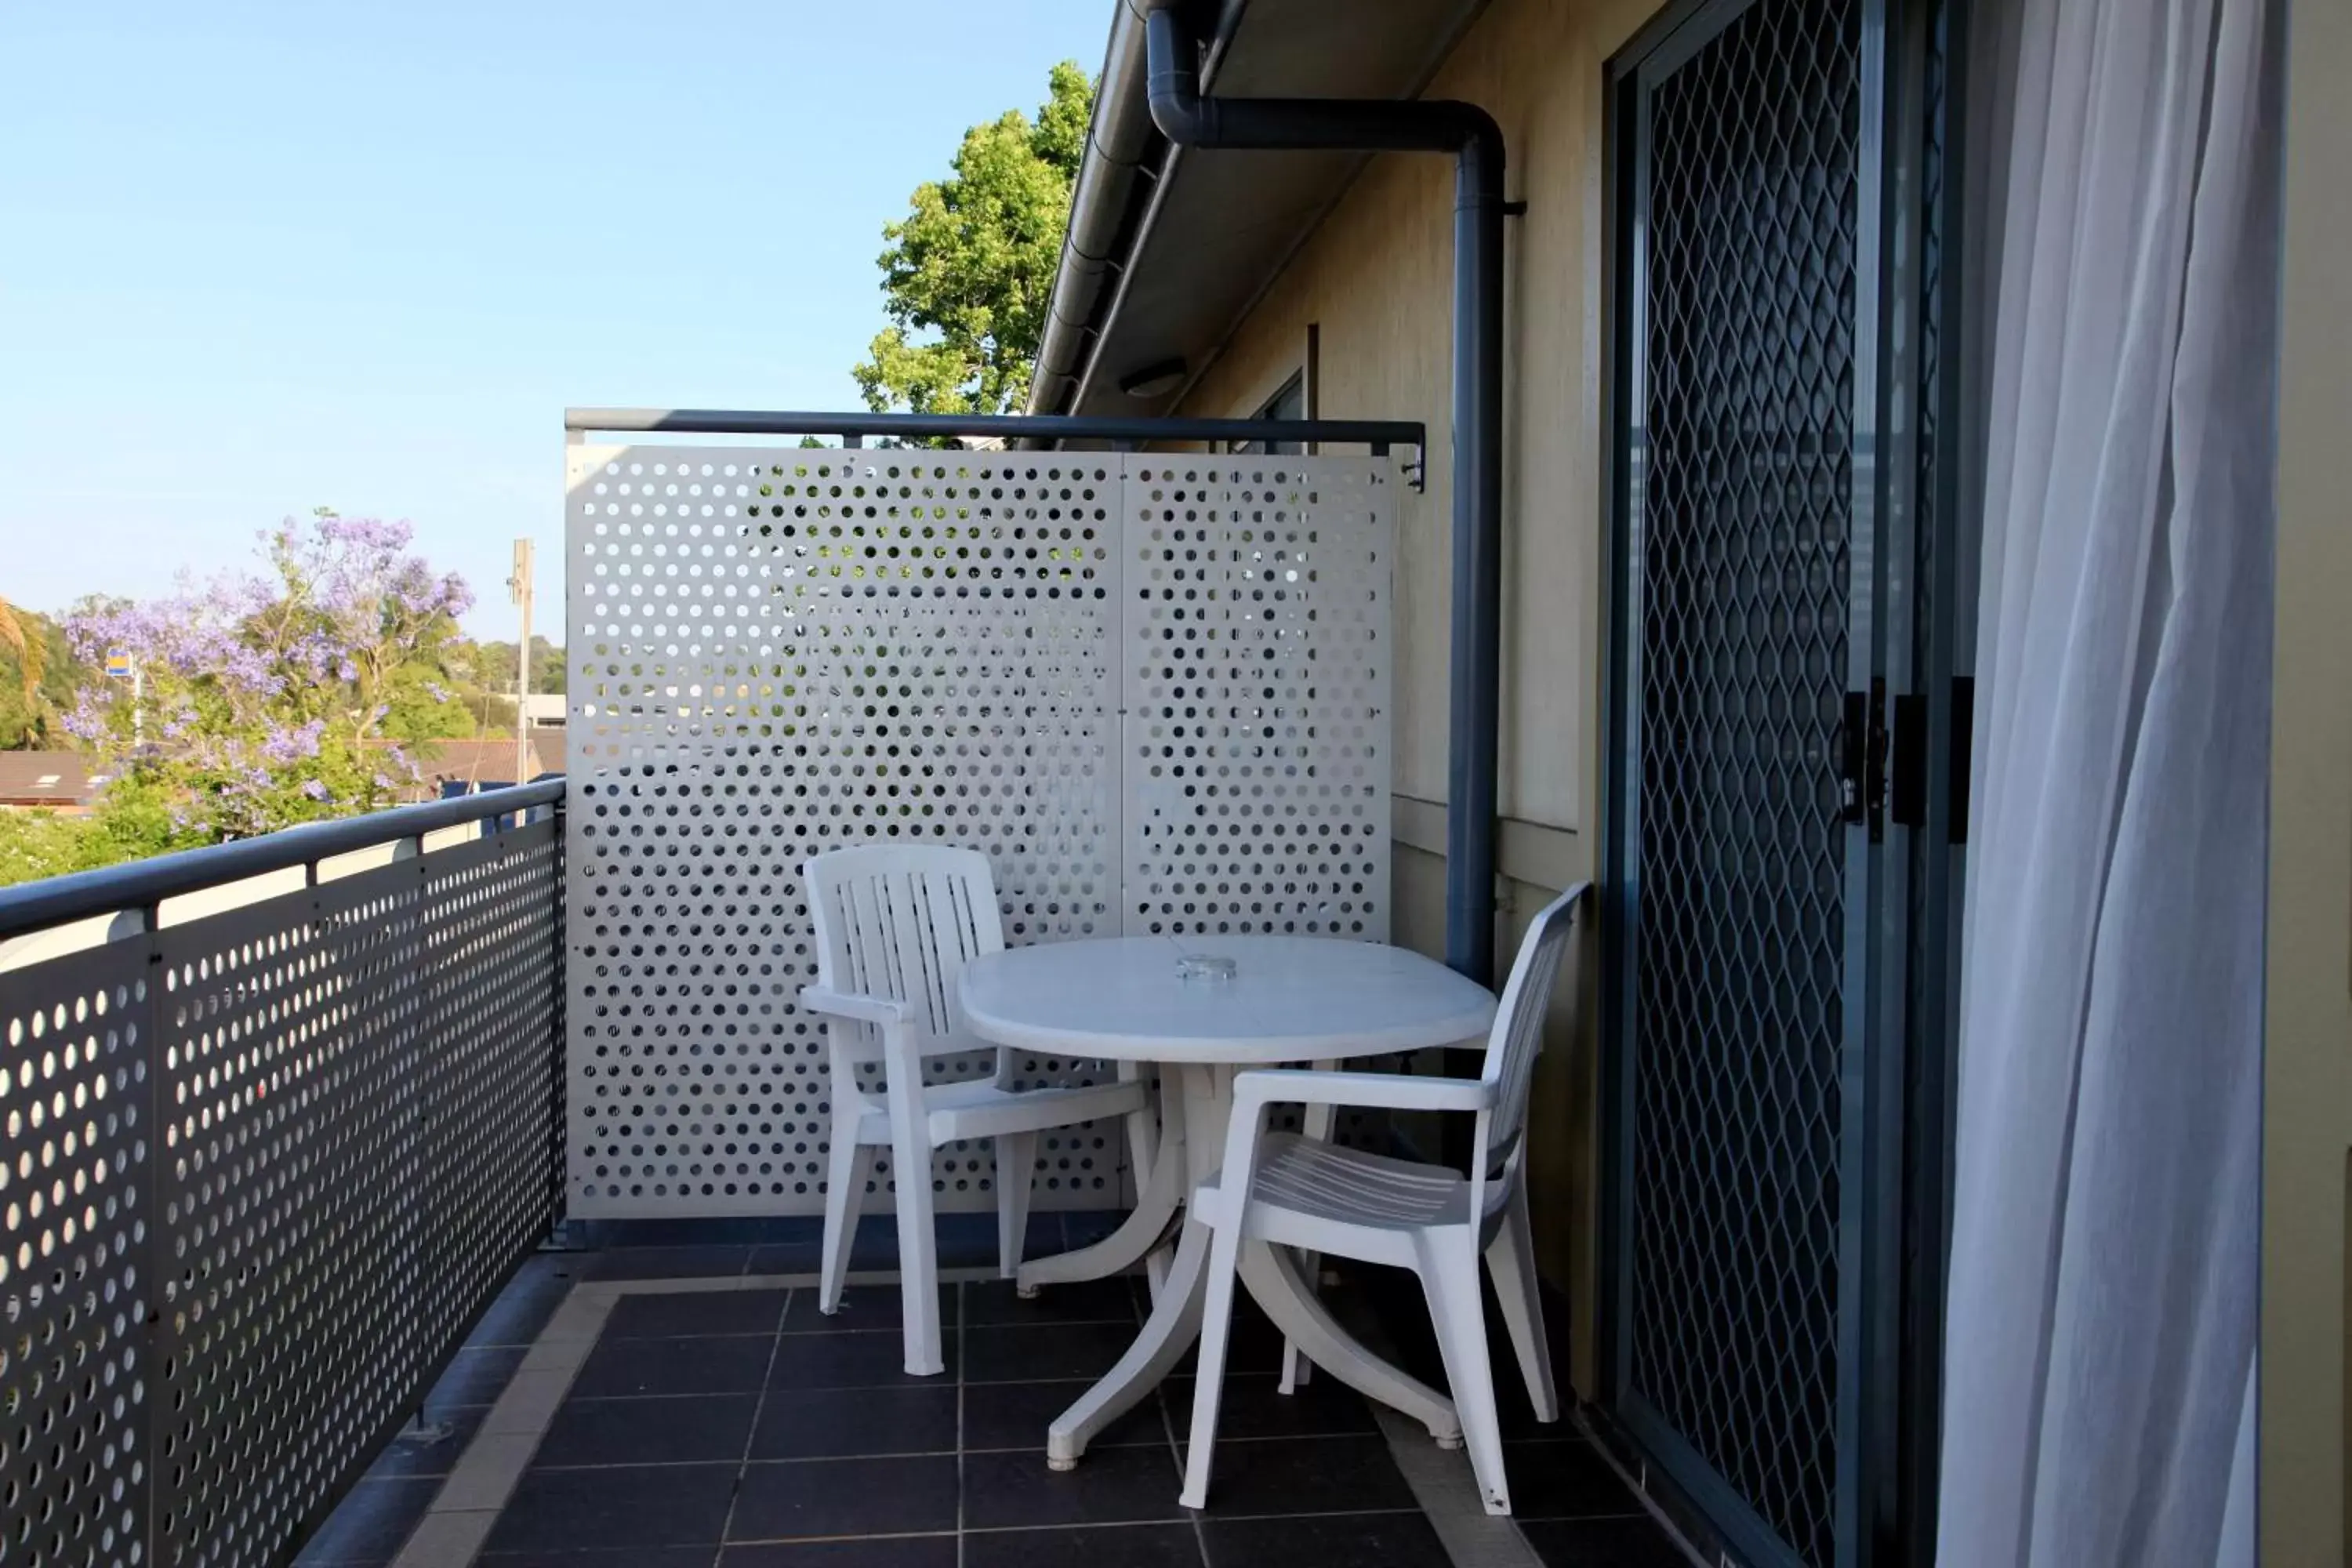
(900, 920)
(1518, 1037)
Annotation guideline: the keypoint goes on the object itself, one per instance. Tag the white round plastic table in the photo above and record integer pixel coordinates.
(1291, 999)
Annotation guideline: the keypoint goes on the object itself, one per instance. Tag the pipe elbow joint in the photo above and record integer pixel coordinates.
(1173, 82)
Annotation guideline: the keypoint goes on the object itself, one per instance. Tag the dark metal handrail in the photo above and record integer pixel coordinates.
(54, 900)
(1378, 434)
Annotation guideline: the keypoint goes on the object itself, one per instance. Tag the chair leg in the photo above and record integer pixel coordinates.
(1511, 1258)
(850, 1165)
(1316, 1124)
(918, 1257)
(1208, 1385)
(1016, 1162)
(1449, 1277)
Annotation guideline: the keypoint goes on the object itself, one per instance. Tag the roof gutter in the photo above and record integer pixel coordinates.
(1119, 136)
(1385, 125)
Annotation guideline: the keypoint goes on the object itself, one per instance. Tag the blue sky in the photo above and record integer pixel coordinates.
(256, 258)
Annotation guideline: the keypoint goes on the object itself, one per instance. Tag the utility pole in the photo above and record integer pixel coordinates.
(518, 589)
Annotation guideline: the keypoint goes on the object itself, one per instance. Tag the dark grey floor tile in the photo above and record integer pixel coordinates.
(1255, 1344)
(1564, 1480)
(874, 1552)
(431, 1450)
(1638, 1543)
(628, 1557)
(369, 1526)
(476, 1376)
(659, 1315)
(1041, 1352)
(846, 1422)
(1255, 1407)
(906, 1495)
(616, 1368)
(1357, 1540)
(1111, 1486)
(1306, 1475)
(677, 1430)
(1016, 1414)
(863, 1308)
(849, 1361)
(1092, 1546)
(993, 1302)
(627, 1507)
(705, 1262)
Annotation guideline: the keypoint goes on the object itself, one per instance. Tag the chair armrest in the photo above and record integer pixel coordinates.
(1254, 1091)
(1383, 1091)
(849, 1005)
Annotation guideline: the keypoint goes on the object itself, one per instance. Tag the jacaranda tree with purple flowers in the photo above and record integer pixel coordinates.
(266, 699)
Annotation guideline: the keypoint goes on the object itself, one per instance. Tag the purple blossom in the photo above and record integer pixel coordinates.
(250, 675)
(285, 746)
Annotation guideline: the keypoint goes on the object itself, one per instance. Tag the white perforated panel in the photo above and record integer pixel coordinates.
(1255, 755)
(777, 652)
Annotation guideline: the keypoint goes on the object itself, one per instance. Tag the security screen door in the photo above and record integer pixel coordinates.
(1773, 579)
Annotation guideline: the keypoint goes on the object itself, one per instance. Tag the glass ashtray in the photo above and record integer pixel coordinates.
(1207, 969)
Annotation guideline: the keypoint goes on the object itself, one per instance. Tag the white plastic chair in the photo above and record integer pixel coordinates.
(895, 925)
(1298, 1192)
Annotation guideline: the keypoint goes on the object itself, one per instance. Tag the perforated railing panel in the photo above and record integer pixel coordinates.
(493, 951)
(1743, 525)
(777, 652)
(76, 1202)
(1256, 737)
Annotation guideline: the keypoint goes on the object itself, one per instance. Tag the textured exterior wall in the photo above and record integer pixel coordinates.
(1376, 279)
(2308, 1092)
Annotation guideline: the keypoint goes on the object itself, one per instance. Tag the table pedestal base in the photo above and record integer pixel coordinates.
(1191, 1150)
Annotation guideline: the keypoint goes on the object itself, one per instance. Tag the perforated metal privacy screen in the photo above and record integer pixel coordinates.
(1152, 688)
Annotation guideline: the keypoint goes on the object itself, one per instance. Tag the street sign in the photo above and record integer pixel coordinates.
(118, 667)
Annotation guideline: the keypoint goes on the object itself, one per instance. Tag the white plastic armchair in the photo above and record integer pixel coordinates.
(895, 925)
(1291, 1191)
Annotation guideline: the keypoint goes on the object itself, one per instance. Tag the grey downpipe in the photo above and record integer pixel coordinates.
(1470, 133)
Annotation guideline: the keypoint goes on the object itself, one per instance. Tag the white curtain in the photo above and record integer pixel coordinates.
(2100, 1316)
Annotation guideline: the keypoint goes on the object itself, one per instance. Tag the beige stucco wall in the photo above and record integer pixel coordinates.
(1376, 280)
(2308, 1090)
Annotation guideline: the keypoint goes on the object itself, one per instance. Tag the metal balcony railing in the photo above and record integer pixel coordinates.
(277, 1120)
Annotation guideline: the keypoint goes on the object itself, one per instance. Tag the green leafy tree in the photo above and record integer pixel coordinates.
(969, 270)
(39, 675)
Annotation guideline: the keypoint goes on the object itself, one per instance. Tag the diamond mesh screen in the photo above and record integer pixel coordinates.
(1742, 536)
(778, 652)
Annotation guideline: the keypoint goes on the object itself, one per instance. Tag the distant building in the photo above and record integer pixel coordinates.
(471, 763)
(47, 781)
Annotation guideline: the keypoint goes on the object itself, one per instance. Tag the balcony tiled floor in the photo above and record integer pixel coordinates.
(742, 1429)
